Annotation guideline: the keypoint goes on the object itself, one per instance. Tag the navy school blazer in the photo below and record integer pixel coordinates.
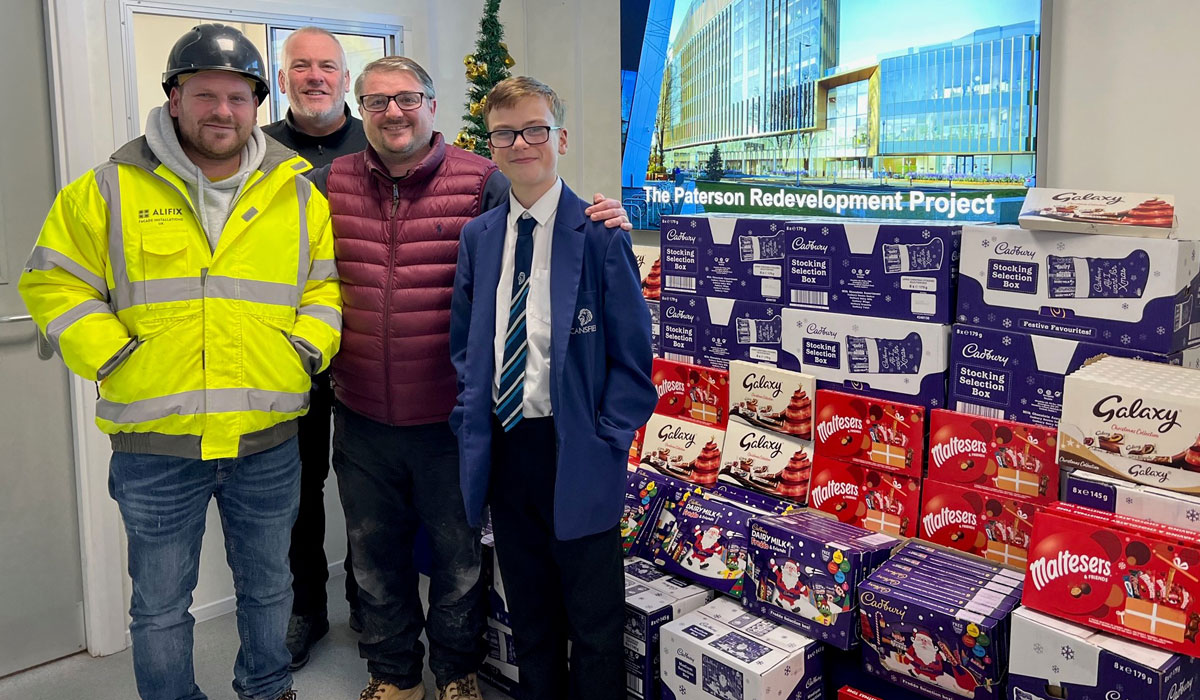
(600, 357)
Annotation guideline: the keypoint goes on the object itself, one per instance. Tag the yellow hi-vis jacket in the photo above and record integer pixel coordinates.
(199, 353)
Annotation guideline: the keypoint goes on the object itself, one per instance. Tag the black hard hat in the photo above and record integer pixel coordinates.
(216, 47)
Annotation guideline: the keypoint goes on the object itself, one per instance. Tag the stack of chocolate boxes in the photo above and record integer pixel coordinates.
(1038, 300)
(652, 599)
(683, 437)
(650, 270)
(936, 622)
(987, 481)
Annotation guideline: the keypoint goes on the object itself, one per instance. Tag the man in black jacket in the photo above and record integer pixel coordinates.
(318, 126)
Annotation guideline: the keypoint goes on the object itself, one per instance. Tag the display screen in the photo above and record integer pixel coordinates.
(915, 109)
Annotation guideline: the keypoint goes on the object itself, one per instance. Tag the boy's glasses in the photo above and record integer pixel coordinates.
(533, 135)
(379, 103)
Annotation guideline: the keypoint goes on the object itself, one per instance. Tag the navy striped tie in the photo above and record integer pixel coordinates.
(512, 374)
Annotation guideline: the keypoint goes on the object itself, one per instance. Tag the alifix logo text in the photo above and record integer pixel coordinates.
(836, 423)
(830, 490)
(933, 522)
(1046, 570)
(956, 446)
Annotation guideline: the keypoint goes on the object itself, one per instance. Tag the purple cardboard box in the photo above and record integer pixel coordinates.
(1052, 659)
(1017, 376)
(891, 269)
(724, 256)
(703, 539)
(901, 361)
(802, 577)
(1112, 290)
(922, 645)
(711, 332)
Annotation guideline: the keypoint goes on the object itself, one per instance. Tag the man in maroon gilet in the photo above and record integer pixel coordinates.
(398, 208)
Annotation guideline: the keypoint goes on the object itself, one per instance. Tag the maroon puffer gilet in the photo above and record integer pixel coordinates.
(396, 242)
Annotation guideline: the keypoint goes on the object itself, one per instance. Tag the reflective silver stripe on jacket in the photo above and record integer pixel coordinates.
(327, 314)
(63, 321)
(43, 258)
(200, 401)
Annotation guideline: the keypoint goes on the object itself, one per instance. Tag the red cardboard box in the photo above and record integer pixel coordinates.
(870, 432)
(848, 693)
(994, 455)
(869, 498)
(996, 527)
(700, 394)
(1138, 585)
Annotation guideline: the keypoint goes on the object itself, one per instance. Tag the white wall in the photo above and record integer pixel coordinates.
(1121, 101)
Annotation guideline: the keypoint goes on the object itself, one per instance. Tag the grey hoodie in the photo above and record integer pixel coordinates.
(213, 200)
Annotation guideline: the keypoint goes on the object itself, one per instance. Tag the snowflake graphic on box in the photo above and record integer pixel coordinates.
(1193, 515)
(926, 234)
(824, 230)
(693, 223)
(935, 403)
(992, 317)
(1125, 306)
(1068, 653)
(774, 227)
(975, 320)
(845, 263)
(1055, 669)
(1030, 380)
(1007, 323)
(1129, 500)
(887, 297)
(1061, 246)
(1007, 340)
(1160, 330)
(1125, 339)
(1038, 649)
(1024, 402)
(985, 242)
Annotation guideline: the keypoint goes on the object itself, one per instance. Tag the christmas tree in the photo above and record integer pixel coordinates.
(486, 67)
(714, 169)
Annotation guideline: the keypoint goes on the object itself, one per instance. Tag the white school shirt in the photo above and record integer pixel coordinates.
(535, 401)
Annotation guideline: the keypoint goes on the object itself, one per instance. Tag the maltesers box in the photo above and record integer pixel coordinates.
(1017, 376)
(1141, 586)
(874, 433)
(1093, 211)
(992, 526)
(713, 332)
(652, 599)
(804, 572)
(1052, 659)
(931, 648)
(766, 462)
(698, 393)
(888, 269)
(893, 360)
(683, 449)
(703, 539)
(994, 455)
(1135, 420)
(771, 398)
(722, 652)
(1135, 500)
(848, 693)
(1110, 290)
(868, 498)
(725, 256)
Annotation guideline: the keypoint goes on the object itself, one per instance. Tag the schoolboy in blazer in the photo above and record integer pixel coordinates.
(551, 340)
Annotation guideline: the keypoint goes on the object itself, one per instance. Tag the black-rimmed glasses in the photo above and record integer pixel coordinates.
(533, 135)
(404, 100)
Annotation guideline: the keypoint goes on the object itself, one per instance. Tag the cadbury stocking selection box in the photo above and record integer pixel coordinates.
(713, 332)
(725, 256)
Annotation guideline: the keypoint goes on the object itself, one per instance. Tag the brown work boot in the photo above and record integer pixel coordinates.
(382, 690)
(465, 688)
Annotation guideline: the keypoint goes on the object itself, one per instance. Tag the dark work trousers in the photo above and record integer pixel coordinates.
(557, 590)
(310, 570)
(392, 479)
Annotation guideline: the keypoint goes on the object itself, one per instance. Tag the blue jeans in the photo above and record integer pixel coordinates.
(163, 501)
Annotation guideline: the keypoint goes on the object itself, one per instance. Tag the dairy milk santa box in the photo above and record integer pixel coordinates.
(652, 599)
(1110, 290)
(890, 269)
(996, 527)
(871, 432)
(703, 539)
(683, 449)
(894, 360)
(771, 398)
(993, 455)
(1053, 659)
(1094, 211)
(868, 498)
(766, 462)
(1019, 377)
(931, 647)
(805, 569)
(1136, 420)
(713, 332)
(722, 652)
(1134, 500)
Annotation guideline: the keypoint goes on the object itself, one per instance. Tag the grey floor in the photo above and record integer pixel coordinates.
(335, 672)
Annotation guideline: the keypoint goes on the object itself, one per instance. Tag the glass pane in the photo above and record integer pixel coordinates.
(153, 37)
(360, 50)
